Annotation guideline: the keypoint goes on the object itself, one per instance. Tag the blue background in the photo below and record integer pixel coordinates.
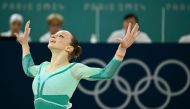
(16, 88)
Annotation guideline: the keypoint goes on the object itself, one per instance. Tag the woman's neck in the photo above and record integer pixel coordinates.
(59, 59)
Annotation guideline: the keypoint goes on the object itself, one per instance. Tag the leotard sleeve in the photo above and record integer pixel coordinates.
(92, 73)
(30, 69)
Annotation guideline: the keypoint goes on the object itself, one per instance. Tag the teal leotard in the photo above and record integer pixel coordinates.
(53, 90)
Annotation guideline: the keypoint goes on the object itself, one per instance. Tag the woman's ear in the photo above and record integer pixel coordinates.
(69, 49)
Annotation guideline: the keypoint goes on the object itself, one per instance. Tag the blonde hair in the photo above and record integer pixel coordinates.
(55, 16)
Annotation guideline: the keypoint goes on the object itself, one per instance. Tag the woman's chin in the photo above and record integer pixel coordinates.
(50, 46)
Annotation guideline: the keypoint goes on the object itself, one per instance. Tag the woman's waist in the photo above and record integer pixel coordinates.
(52, 100)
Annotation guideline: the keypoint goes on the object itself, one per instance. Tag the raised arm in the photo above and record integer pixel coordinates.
(127, 41)
(90, 73)
(27, 62)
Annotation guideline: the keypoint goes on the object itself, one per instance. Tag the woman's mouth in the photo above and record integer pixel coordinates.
(52, 41)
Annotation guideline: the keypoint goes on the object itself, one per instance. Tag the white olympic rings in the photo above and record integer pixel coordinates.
(157, 80)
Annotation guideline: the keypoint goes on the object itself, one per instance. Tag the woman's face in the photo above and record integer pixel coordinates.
(61, 41)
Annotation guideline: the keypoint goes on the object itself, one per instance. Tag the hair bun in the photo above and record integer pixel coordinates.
(78, 51)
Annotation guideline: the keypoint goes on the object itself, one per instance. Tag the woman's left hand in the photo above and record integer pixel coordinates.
(130, 36)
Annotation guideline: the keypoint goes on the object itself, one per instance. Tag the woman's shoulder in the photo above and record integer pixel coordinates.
(45, 63)
(79, 65)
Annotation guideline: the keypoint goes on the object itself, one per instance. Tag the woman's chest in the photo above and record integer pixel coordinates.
(54, 83)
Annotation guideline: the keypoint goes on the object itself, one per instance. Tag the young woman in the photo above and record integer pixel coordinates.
(55, 81)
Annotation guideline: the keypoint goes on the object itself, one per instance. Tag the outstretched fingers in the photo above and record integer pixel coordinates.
(27, 25)
(128, 32)
(129, 29)
(135, 29)
(27, 29)
(130, 36)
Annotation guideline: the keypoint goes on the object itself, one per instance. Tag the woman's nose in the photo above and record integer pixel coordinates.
(53, 36)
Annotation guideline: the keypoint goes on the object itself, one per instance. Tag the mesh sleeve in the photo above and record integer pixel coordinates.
(92, 73)
(30, 69)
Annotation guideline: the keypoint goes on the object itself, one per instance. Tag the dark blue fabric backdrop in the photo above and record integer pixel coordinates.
(16, 88)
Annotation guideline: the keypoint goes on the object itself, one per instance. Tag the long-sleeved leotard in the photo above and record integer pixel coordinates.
(53, 90)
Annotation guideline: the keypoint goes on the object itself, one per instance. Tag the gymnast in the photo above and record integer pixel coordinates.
(55, 81)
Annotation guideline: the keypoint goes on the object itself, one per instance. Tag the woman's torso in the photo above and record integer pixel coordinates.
(54, 89)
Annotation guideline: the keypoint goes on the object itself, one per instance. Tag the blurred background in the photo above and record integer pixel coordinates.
(155, 72)
(162, 20)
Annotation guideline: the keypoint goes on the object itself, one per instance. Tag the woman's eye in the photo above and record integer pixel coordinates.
(61, 36)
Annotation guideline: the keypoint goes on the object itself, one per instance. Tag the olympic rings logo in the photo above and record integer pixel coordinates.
(138, 90)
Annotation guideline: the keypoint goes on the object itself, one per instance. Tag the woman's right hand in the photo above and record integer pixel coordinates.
(23, 40)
